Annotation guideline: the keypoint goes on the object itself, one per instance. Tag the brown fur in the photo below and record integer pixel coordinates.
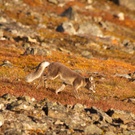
(69, 77)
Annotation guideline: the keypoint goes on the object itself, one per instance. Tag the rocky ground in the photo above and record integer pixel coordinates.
(26, 116)
(94, 38)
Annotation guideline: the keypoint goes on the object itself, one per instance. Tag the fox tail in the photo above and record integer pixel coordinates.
(38, 72)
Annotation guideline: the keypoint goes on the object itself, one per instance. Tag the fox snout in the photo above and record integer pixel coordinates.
(90, 84)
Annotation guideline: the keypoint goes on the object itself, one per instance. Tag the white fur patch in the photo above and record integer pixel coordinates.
(45, 64)
(1, 123)
(31, 77)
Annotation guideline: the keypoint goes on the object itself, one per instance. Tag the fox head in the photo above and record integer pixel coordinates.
(90, 84)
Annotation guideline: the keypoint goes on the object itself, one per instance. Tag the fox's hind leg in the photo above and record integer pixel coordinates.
(61, 88)
(40, 82)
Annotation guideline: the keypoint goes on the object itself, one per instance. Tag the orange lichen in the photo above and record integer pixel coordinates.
(33, 3)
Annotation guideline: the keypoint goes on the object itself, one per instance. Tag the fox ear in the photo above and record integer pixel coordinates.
(91, 78)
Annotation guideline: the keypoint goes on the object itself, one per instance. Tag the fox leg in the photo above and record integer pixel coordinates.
(92, 88)
(76, 93)
(77, 85)
(40, 81)
(61, 88)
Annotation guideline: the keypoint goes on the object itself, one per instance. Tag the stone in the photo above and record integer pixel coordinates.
(89, 28)
(86, 54)
(92, 130)
(60, 28)
(78, 107)
(132, 100)
(110, 133)
(127, 76)
(121, 16)
(128, 3)
(102, 116)
(8, 98)
(25, 115)
(2, 107)
(1, 33)
(53, 1)
(7, 63)
(1, 120)
(89, 1)
(68, 13)
(36, 51)
(120, 116)
(2, 20)
(66, 27)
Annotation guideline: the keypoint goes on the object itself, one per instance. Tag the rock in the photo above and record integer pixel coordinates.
(110, 133)
(1, 120)
(68, 13)
(25, 115)
(131, 100)
(87, 54)
(121, 16)
(3, 20)
(92, 130)
(66, 27)
(101, 115)
(7, 98)
(132, 76)
(69, 28)
(89, 28)
(128, 46)
(2, 107)
(78, 107)
(7, 63)
(60, 28)
(120, 117)
(32, 40)
(59, 122)
(128, 3)
(36, 51)
(127, 76)
(19, 105)
(89, 1)
(53, 1)
(1, 33)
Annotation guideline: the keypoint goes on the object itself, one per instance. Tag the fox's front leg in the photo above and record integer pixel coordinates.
(61, 88)
(76, 85)
(92, 88)
(76, 93)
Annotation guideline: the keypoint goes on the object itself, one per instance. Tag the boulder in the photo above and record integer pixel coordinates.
(25, 115)
(128, 3)
(66, 27)
(69, 13)
(89, 28)
(92, 130)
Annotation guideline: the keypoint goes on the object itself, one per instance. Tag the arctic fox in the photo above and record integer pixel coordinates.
(69, 77)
